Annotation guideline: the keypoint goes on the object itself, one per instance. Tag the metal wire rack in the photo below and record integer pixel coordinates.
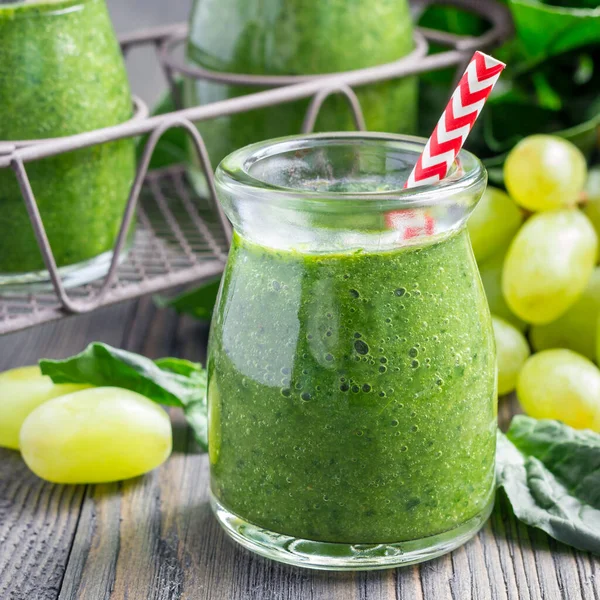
(180, 237)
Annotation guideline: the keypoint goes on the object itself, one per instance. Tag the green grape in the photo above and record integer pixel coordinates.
(512, 351)
(545, 172)
(493, 223)
(576, 328)
(563, 385)
(22, 390)
(549, 264)
(592, 196)
(491, 277)
(95, 435)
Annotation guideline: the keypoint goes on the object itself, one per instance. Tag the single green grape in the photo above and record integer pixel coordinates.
(592, 196)
(545, 172)
(576, 328)
(512, 351)
(96, 435)
(549, 264)
(21, 391)
(493, 223)
(491, 277)
(561, 384)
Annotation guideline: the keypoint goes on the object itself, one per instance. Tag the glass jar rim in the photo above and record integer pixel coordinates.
(43, 8)
(233, 172)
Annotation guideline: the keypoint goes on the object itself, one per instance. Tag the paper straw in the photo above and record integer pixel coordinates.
(456, 121)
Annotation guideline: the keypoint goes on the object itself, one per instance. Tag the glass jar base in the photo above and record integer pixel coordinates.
(345, 557)
(72, 275)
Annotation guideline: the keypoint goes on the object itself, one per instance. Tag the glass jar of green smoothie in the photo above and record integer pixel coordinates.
(293, 38)
(62, 73)
(352, 373)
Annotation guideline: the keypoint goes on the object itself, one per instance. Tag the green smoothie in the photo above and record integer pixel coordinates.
(62, 73)
(299, 37)
(351, 395)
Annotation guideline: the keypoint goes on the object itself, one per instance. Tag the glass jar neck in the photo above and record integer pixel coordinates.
(343, 192)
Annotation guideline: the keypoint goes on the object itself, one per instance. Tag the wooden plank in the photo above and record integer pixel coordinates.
(408, 584)
(375, 585)
(38, 519)
(486, 550)
(37, 522)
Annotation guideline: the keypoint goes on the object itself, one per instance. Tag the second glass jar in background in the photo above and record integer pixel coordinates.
(351, 373)
(299, 37)
(62, 73)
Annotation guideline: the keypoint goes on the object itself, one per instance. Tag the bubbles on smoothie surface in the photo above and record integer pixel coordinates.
(361, 347)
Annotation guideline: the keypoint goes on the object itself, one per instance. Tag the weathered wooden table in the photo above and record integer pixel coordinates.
(154, 537)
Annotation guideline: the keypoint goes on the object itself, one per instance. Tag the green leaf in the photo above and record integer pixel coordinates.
(547, 30)
(169, 381)
(450, 18)
(198, 302)
(196, 416)
(551, 475)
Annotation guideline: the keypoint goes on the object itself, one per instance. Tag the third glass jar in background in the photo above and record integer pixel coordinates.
(299, 37)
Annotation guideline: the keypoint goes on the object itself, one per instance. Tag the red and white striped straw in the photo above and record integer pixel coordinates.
(457, 120)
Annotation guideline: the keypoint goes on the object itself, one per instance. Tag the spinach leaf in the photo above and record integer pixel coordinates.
(551, 475)
(198, 302)
(169, 381)
(547, 30)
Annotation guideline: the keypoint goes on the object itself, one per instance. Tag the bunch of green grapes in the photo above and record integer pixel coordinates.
(537, 251)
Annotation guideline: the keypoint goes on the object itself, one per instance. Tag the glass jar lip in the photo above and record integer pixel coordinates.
(234, 171)
(41, 8)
